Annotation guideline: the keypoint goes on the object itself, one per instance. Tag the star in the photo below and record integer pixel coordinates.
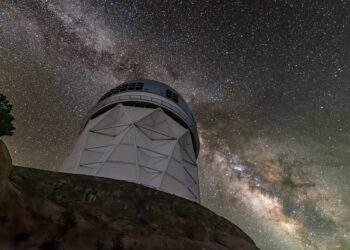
(267, 82)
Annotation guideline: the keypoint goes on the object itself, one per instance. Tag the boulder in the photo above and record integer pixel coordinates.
(51, 210)
(5, 161)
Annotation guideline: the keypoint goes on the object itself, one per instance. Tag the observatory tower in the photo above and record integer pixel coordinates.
(141, 131)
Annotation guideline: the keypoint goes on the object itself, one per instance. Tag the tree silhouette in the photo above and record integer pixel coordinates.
(6, 118)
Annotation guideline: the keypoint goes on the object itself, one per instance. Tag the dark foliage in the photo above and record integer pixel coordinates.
(6, 118)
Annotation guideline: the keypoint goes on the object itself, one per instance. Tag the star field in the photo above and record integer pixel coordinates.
(268, 82)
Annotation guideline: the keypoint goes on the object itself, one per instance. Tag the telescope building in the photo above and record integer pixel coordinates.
(144, 132)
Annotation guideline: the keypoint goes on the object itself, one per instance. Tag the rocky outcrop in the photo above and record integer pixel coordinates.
(50, 210)
(5, 161)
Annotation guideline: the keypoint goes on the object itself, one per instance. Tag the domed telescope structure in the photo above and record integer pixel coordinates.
(144, 132)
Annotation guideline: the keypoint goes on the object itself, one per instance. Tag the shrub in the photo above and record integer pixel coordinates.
(6, 118)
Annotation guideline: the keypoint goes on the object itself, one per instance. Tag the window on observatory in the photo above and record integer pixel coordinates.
(131, 86)
(139, 85)
(171, 95)
(122, 88)
(135, 85)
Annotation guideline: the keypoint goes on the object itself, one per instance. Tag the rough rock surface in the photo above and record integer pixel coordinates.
(49, 210)
(5, 161)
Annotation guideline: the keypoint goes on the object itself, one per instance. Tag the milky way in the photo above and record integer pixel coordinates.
(268, 82)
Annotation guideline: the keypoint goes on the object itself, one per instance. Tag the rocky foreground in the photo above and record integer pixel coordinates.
(50, 210)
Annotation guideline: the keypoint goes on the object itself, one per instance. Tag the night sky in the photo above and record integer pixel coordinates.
(268, 81)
